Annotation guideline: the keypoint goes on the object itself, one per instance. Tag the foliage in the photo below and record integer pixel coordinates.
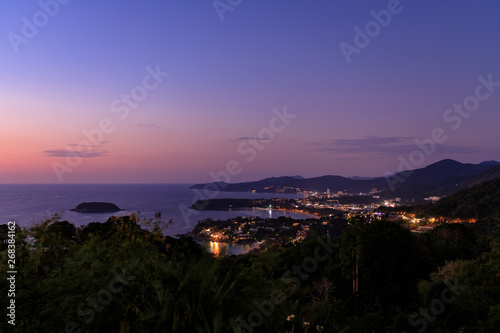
(481, 201)
(126, 276)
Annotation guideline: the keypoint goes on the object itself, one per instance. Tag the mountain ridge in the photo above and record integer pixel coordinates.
(441, 178)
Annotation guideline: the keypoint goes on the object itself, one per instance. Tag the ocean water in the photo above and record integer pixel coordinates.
(28, 204)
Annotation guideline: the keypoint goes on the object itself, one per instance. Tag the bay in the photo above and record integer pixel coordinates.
(27, 204)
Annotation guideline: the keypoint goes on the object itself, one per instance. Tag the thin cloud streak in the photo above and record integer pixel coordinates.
(251, 138)
(382, 146)
(82, 153)
(149, 125)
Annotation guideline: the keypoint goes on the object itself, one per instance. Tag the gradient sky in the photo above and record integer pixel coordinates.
(226, 78)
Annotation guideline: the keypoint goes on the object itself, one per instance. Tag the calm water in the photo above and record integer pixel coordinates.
(27, 204)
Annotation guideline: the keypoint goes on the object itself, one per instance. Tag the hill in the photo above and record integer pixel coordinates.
(478, 202)
(448, 185)
(294, 185)
(445, 169)
(441, 178)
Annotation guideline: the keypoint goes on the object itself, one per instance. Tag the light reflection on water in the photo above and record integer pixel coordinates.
(230, 248)
(215, 248)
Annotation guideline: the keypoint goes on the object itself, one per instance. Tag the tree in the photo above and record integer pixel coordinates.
(386, 259)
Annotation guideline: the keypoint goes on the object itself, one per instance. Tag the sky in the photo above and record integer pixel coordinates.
(166, 91)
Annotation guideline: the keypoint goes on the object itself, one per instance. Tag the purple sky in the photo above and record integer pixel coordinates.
(353, 113)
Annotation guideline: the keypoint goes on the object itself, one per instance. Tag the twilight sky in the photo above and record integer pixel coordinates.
(170, 91)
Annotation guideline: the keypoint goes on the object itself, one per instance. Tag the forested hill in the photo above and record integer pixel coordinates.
(477, 202)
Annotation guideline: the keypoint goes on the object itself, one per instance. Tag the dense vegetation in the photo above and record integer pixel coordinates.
(125, 276)
(478, 202)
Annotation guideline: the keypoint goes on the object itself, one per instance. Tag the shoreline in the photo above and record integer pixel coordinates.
(35, 203)
(306, 214)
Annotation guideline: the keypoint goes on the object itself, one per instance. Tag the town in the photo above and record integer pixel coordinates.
(328, 214)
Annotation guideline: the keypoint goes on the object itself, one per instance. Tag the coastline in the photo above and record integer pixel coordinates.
(28, 204)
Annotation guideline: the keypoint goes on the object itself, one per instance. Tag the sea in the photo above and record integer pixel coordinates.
(29, 204)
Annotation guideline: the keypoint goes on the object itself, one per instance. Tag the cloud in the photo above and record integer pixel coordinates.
(382, 146)
(83, 153)
(74, 149)
(246, 138)
(149, 125)
(84, 147)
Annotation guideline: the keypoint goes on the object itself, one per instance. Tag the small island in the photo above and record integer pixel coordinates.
(96, 207)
